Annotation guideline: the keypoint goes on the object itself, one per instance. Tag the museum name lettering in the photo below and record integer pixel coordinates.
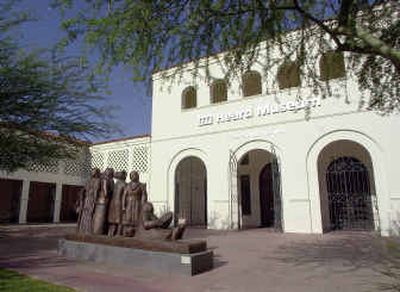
(259, 111)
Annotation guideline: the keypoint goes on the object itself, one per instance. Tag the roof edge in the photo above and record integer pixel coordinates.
(121, 139)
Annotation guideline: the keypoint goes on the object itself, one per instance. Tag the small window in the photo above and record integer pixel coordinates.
(218, 91)
(245, 194)
(289, 75)
(251, 82)
(189, 97)
(331, 65)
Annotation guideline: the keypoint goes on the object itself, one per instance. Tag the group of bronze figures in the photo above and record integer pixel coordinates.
(121, 209)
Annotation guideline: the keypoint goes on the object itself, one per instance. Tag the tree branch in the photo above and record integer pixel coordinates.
(378, 46)
(319, 22)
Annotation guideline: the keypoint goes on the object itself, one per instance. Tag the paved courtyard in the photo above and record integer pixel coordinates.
(252, 260)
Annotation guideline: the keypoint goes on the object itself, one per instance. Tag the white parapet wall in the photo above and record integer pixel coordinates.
(127, 154)
(132, 153)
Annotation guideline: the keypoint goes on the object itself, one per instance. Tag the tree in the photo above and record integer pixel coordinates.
(47, 105)
(153, 35)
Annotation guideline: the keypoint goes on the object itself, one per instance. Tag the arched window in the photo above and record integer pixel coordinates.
(218, 91)
(331, 65)
(189, 97)
(251, 82)
(289, 75)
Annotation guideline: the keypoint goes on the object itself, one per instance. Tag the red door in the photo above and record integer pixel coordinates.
(70, 195)
(41, 202)
(10, 195)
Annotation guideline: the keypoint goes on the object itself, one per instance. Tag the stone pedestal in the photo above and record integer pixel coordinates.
(166, 262)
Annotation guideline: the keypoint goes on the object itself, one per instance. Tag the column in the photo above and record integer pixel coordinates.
(23, 206)
(57, 203)
(219, 202)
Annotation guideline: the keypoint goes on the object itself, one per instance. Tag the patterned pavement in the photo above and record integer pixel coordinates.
(250, 260)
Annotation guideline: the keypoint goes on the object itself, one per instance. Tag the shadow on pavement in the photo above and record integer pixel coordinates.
(351, 251)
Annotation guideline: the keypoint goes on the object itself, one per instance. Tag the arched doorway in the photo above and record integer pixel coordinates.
(349, 195)
(259, 190)
(347, 191)
(191, 191)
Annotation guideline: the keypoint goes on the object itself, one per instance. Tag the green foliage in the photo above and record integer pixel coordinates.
(13, 281)
(46, 102)
(154, 35)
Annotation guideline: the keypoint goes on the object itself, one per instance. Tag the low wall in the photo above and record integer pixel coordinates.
(166, 262)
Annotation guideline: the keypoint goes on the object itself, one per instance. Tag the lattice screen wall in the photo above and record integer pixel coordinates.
(118, 159)
(140, 161)
(130, 158)
(97, 160)
(51, 167)
(127, 157)
(78, 167)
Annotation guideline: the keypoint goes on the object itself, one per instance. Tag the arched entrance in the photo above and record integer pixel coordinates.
(347, 189)
(191, 191)
(259, 190)
(349, 194)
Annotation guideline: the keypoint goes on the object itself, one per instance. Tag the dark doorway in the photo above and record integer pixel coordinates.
(41, 202)
(245, 191)
(349, 195)
(267, 213)
(10, 195)
(70, 196)
(191, 192)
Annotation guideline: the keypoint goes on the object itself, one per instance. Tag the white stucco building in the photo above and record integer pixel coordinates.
(263, 153)
(259, 153)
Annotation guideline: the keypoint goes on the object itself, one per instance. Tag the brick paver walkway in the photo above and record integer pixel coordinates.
(253, 260)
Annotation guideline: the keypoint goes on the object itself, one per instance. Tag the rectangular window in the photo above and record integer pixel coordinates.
(245, 194)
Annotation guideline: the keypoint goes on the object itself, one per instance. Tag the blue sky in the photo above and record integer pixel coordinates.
(133, 113)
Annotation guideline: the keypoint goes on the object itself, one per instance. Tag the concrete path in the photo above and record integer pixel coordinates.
(253, 260)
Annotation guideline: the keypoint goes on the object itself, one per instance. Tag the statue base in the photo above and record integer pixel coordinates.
(188, 257)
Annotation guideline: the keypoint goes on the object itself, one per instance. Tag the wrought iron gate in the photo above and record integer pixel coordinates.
(349, 195)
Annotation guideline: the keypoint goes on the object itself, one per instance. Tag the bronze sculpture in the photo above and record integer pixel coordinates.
(115, 207)
(86, 203)
(100, 213)
(134, 197)
(122, 209)
(153, 227)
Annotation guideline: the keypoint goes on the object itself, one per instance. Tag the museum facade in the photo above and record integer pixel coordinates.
(257, 153)
(263, 150)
